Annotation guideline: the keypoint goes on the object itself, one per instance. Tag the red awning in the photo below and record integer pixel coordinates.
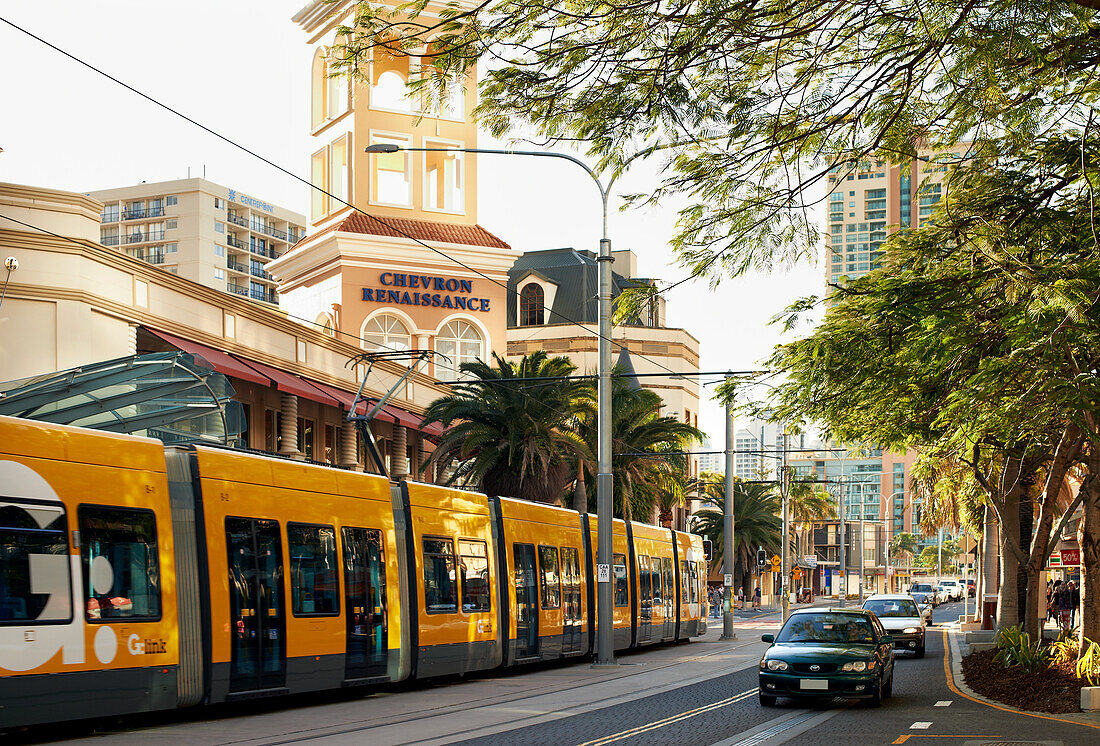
(346, 398)
(220, 361)
(290, 383)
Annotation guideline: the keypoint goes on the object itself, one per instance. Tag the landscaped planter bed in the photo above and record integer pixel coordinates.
(1053, 689)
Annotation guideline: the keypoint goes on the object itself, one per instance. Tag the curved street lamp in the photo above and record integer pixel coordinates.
(605, 651)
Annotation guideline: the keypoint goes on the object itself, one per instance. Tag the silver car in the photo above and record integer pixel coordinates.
(900, 616)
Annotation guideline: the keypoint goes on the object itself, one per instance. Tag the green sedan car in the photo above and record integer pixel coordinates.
(828, 653)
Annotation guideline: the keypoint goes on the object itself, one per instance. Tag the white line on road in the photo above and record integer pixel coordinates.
(671, 719)
(920, 725)
(943, 703)
(781, 729)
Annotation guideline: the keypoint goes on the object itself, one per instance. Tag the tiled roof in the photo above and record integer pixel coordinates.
(425, 230)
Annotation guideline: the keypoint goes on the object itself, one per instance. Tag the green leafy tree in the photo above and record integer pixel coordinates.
(972, 342)
(753, 102)
(756, 523)
(904, 544)
(641, 443)
(512, 437)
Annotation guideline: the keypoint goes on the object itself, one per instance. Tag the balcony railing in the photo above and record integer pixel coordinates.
(269, 296)
(258, 272)
(281, 235)
(237, 219)
(138, 237)
(148, 212)
(238, 289)
(270, 253)
(236, 243)
(109, 240)
(236, 266)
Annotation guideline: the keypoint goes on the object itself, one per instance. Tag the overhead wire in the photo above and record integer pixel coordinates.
(308, 183)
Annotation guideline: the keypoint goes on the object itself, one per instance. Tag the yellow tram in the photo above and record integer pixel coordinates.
(138, 577)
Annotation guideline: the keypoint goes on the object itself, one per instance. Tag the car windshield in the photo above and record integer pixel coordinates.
(921, 588)
(827, 627)
(892, 607)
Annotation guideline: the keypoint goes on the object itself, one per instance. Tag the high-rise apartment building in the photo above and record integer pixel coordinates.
(758, 449)
(870, 198)
(202, 231)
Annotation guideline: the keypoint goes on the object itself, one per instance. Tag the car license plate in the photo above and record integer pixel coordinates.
(822, 684)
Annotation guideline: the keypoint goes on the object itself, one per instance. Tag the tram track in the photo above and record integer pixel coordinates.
(466, 706)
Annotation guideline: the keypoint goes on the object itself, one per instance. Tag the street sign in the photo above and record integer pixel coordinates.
(1071, 557)
(603, 573)
(727, 580)
(810, 561)
(797, 573)
(776, 562)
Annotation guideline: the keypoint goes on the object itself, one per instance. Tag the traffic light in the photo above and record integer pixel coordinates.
(708, 550)
(761, 557)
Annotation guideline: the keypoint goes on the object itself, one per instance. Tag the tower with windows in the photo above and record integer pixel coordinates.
(395, 258)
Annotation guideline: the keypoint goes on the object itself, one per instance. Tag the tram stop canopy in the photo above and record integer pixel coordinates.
(171, 396)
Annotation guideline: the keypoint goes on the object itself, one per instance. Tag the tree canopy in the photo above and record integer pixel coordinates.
(757, 100)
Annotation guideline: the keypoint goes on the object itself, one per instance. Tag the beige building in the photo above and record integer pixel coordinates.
(73, 301)
(194, 228)
(409, 266)
(871, 198)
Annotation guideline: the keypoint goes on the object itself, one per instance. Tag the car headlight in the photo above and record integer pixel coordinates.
(854, 666)
(910, 630)
(774, 665)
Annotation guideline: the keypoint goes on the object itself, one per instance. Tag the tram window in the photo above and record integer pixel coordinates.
(474, 560)
(120, 567)
(34, 564)
(622, 592)
(314, 588)
(685, 583)
(440, 594)
(550, 579)
(670, 582)
(694, 568)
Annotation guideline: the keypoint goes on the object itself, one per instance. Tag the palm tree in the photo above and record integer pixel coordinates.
(641, 441)
(512, 437)
(807, 505)
(756, 523)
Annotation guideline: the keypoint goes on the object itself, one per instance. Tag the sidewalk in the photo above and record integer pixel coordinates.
(958, 648)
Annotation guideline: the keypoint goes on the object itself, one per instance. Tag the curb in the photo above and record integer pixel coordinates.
(955, 681)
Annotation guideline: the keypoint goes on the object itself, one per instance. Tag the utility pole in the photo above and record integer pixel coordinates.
(843, 554)
(862, 542)
(785, 490)
(727, 530)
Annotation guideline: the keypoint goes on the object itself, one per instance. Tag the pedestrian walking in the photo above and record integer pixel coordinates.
(756, 598)
(1064, 604)
(1050, 600)
(741, 597)
(1074, 593)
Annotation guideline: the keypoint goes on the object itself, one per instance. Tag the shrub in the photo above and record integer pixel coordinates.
(1016, 648)
(1088, 662)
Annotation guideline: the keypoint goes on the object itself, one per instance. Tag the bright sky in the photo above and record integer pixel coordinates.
(242, 69)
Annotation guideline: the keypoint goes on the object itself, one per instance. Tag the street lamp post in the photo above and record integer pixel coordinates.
(785, 490)
(727, 529)
(605, 652)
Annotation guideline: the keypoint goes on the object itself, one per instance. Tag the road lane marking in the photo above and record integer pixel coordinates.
(900, 739)
(631, 732)
(921, 725)
(943, 703)
(780, 727)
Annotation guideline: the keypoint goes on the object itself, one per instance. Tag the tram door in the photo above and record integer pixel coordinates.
(256, 604)
(645, 605)
(571, 600)
(669, 597)
(527, 609)
(365, 601)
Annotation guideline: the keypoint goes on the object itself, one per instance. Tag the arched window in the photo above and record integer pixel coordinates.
(320, 81)
(386, 332)
(461, 342)
(531, 305)
(325, 325)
